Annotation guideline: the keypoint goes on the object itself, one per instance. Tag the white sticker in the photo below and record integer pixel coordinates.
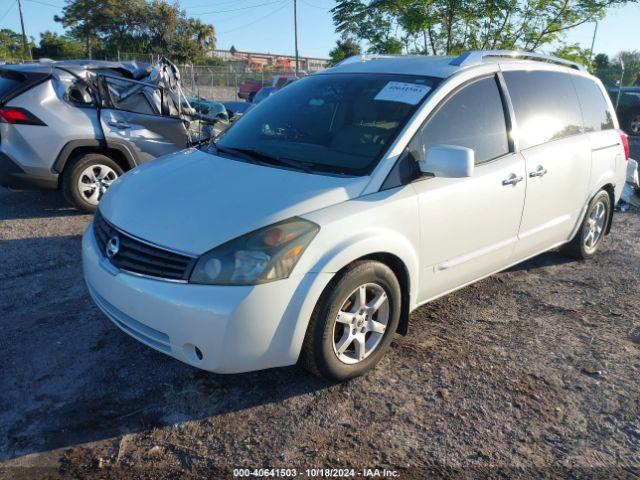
(410, 93)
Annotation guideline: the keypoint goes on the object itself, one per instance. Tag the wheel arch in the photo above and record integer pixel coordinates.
(610, 189)
(401, 272)
(398, 255)
(78, 147)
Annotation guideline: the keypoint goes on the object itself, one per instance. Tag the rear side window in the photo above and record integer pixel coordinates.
(472, 118)
(595, 111)
(545, 104)
(9, 82)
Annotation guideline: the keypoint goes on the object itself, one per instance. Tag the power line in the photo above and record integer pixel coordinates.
(8, 10)
(286, 4)
(241, 8)
(326, 9)
(44, 3)
(209, 5)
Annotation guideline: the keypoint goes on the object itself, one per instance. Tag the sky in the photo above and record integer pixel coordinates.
(267, 25)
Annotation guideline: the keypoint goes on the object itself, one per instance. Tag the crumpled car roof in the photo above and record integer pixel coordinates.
(135, 70)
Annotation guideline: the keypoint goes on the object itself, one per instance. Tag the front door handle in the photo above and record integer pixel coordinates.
(538, 172)
(122, 125)
(512, 180)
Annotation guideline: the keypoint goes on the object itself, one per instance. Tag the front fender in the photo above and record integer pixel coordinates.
(383, 223)
(373, 241)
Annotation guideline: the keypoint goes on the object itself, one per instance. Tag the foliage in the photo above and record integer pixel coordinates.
(11, 45)
(208, 61)
(345, 48)
(53, 45)
(610, 70)
(575, 53)
(446, 27)
(138, 26)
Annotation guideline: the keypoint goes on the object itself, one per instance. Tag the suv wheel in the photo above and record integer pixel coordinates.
(591, 233)
(634, 124)
(353, 323)
(86, 178)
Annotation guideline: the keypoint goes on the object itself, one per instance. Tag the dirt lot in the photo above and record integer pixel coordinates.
(532, 372)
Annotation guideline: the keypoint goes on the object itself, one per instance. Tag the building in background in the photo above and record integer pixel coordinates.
(255, 61)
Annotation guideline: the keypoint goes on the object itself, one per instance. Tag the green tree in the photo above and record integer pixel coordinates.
(205, 35)
(345, 48)
(11, 45)
(85, 20)
(57, 46)
(575, 53)
(631, 60)
(446, 27)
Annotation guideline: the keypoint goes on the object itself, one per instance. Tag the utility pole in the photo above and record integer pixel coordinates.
(295, 29)
(620, 84)
(25, 45)
(593, 41)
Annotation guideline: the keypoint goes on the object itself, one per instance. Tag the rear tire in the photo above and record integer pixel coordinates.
(589, 236)
(353, 323)
(86, 178)
(633, 124)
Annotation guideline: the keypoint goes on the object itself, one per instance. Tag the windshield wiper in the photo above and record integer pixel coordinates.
(264, 158)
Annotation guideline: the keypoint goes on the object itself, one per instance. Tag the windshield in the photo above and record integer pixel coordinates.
(335, 123)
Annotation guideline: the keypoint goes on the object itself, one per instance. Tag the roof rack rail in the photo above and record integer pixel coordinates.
(476, 57)
(364, 57)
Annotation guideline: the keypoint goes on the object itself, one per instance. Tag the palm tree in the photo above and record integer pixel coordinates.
(205, 35)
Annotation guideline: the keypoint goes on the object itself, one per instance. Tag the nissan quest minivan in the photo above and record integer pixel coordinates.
(314, 225)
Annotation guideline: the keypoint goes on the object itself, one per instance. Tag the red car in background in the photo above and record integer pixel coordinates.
(248, 89)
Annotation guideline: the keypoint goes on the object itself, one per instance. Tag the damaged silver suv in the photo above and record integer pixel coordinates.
(78, 125)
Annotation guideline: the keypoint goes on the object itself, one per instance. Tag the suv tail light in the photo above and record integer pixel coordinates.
(19, 116)
(624, 138)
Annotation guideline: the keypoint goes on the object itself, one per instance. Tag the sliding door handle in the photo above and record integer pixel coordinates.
(538, 172)
(512, 180)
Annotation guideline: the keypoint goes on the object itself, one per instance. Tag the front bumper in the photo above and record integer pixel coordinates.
(13, 176)
(236, 329)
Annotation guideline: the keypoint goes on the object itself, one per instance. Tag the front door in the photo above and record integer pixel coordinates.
(131, 118)
(469, 226)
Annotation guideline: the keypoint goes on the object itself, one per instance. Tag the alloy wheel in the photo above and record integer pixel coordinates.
(94, 181)
(594, 226)
(360, 323)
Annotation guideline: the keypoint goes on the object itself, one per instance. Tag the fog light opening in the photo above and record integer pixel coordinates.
(193, 353)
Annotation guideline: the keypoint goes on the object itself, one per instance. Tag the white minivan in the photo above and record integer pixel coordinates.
(314, 226)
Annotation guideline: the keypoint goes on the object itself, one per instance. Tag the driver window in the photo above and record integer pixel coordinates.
(472, 118)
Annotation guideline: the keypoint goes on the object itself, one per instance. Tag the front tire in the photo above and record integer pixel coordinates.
(353, 324)
(86, 179)
(589, 236)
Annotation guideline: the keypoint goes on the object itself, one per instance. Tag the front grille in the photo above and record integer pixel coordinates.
(139, 257)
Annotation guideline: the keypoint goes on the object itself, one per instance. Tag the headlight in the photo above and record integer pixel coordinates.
(261, 256)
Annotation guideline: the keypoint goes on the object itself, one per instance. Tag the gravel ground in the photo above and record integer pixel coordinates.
(530, 373)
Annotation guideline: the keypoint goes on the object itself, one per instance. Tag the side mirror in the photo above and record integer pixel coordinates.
(448, 161)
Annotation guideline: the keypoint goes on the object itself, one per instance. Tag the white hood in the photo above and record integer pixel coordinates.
(194, 201)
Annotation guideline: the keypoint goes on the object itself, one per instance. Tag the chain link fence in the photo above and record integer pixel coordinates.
(216, 82)
(221, 84)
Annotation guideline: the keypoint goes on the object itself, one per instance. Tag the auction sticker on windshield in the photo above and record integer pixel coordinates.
(410, 93)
